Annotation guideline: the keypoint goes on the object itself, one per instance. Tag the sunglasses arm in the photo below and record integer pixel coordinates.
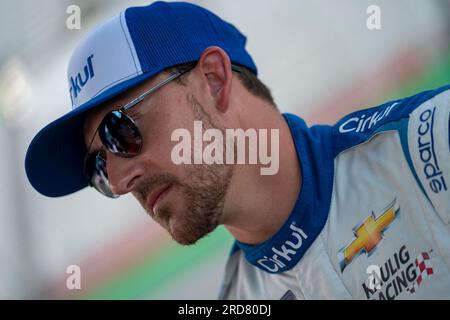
(134, 102)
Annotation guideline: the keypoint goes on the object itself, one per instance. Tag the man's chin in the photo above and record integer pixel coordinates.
(185, 239)
(187, 235)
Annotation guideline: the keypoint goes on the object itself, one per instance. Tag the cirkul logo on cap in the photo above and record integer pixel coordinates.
(79, 81)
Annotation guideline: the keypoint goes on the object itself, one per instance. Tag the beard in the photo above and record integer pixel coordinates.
(203, 203)
(203, 193)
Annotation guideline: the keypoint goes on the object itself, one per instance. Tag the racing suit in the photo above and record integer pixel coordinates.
(372, 219)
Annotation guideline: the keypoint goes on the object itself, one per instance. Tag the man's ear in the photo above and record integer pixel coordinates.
(215, 65)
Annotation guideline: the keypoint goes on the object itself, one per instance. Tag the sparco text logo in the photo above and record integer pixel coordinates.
(425, 143)
(79, 81)
(285, 252)
(364, 122)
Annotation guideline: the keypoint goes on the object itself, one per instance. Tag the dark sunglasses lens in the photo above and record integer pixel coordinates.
(119, 134)
(95, 168)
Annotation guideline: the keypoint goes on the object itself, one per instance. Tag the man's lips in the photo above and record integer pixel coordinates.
(155, 196)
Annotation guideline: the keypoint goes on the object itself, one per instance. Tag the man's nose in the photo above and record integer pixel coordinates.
(123, 173)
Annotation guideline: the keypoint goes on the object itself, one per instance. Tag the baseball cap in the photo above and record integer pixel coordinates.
(135, 45)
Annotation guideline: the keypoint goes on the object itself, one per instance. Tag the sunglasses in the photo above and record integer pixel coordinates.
(120, 135)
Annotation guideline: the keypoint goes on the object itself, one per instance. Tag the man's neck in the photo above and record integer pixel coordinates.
(260, 204)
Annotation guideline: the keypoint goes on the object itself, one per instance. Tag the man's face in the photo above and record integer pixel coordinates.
(187, 200)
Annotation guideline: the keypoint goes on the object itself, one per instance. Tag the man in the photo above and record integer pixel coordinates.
(357, 210)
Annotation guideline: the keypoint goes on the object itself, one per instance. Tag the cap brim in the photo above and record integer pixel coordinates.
(55, 157)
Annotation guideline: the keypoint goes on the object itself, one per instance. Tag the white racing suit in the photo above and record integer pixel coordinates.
(372, 220)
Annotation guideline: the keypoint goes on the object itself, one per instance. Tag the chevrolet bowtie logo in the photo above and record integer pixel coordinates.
(368, 235)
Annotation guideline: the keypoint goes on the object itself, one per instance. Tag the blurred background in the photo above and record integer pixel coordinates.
(320, 60)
